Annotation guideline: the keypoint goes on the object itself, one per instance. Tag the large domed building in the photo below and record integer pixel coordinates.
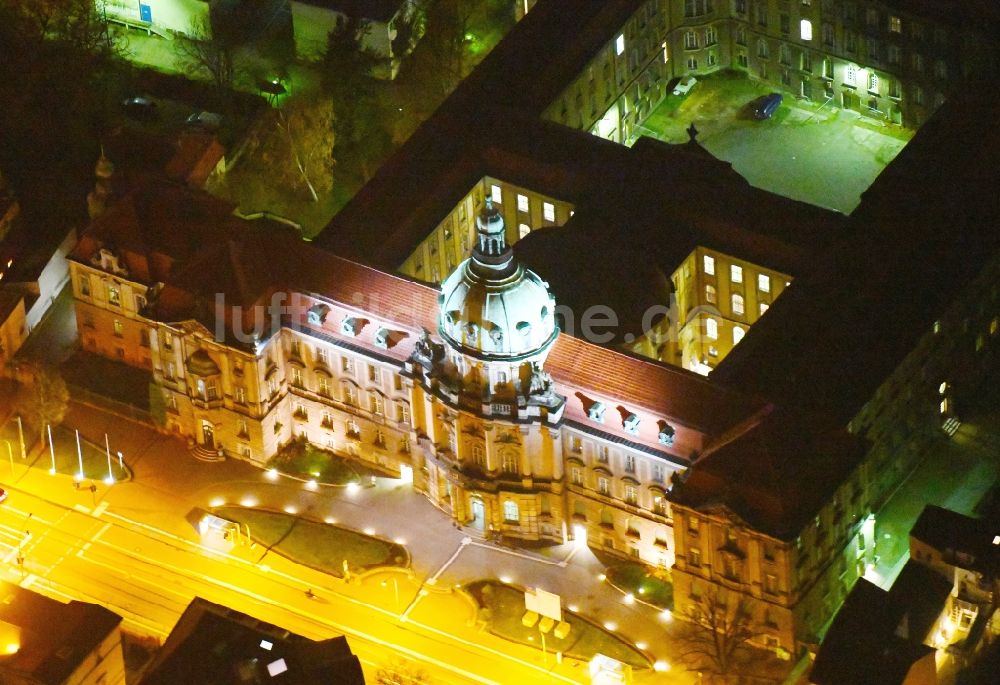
(486, 383)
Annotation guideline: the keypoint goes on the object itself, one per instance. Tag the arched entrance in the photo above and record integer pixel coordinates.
(208, 434)
(478, 510)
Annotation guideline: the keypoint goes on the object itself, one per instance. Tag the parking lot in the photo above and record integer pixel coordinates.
(807, 151)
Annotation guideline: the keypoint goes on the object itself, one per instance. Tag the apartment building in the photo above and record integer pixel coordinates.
(893, 61)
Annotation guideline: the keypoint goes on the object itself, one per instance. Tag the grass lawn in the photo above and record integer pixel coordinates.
(321, 546)
(304, 460)
(643, 583)
(505, 606)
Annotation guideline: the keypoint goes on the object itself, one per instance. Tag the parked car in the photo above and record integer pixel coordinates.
(684, 85)
(766, 106)
(206, 120)
(3, 494)
(139, 107)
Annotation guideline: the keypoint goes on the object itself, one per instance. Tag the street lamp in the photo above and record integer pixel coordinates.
(52, 452)
(110, 480)
(20, 436)
(79, 457)
(10, 455)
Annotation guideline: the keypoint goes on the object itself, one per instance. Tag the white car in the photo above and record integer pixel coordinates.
(3, 494)
(685, 85)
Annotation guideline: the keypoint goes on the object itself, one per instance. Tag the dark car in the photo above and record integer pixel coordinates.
(766, 106)
(139, 108)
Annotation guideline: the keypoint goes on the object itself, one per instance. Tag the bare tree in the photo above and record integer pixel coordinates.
(209, 50)
(448, 23)
(294, 145)
(43, 401)
(401, 673)
(718, 630)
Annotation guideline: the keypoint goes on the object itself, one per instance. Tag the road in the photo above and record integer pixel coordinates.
(149, 577)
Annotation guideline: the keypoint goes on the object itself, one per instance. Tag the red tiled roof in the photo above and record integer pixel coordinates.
(665, 391)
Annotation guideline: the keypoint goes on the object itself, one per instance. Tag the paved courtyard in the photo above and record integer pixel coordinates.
(807, 151)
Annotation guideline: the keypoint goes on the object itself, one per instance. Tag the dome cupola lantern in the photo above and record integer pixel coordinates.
(491, 307)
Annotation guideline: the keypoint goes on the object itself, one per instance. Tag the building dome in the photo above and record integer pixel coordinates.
(491, 307)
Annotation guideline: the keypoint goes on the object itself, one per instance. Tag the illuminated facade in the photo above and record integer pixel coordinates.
(523, 210)
(885, 59)
(718, 298)
(501, 421)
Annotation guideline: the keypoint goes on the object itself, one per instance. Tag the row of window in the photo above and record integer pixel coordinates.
(736, 274)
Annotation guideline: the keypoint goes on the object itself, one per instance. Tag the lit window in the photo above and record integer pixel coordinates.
(738, 334)
(523, 230)
(548, 211)
(522, 203)
(711, 329)
(873, 81)
(496, 193)
(945, 405)
(806, 29)
(710, 294)
(709, 265)
(763, 283)
(895, 24)
(851, 74)
(737, 302)
(943, 388)
(620, 44)
(114, 296)
(763, 307)
(510, 512)
(736, 274)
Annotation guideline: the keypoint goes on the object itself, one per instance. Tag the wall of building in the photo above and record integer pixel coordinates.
(13, 332)
(178, 16)
(105, 665)
(451, 241)
(108, 316)
(691, 341)
(868, 57)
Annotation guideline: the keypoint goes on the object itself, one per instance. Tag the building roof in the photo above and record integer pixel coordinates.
(53, 638)
(662, 197)
(847, 324)
(214, 645)
(156, 224)
(865, 645)
(775, 471)
(966, 542)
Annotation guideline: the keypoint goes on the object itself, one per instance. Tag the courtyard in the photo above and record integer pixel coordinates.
(810, 151)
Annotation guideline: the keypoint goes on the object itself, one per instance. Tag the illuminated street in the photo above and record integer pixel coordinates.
(136, 553)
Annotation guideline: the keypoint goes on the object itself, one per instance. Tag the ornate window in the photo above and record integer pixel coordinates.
(479, 455)
(737, 302)
(510, 511)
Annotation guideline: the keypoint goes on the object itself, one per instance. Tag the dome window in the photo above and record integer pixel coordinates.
(472, 330)
(631, 424)
(595, 412)
(524, 328)
(382, 338)
(496, 335)
(317, 313)
(545, 313)
(350, 326)
(666, 435)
